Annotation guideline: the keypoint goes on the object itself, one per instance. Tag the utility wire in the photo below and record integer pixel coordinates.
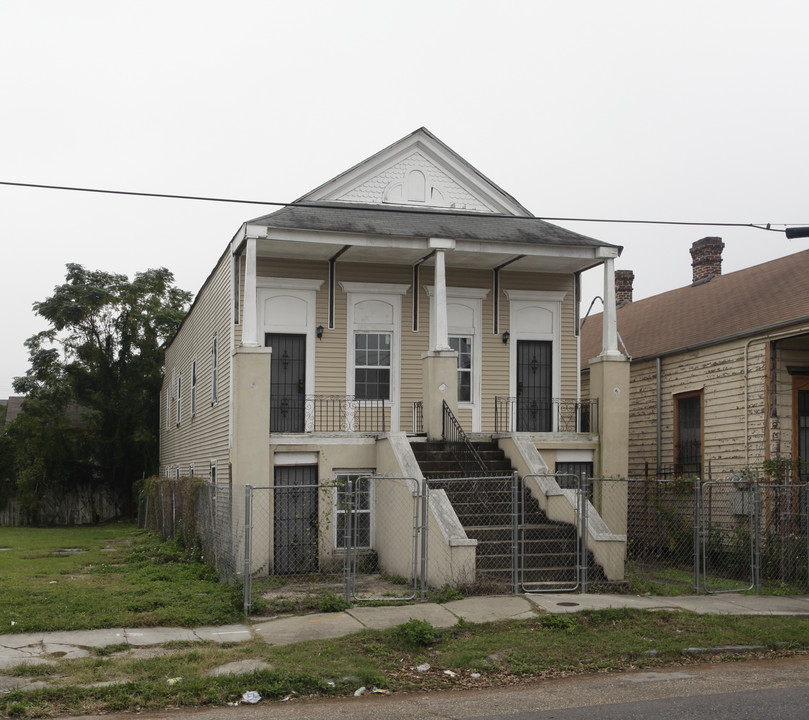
(421, 211)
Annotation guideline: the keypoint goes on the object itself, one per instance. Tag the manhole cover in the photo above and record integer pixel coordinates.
(568, 604)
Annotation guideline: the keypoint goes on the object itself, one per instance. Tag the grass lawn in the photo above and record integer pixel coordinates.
(112, 575)
(478, 656)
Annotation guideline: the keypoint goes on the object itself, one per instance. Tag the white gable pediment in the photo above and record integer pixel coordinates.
(417, 171)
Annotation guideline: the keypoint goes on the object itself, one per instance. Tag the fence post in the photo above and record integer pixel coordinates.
(515, 533)
(248, 537)
(425, 489)
(697, 531)
(347, 536)
(585, 509)
(756, 539)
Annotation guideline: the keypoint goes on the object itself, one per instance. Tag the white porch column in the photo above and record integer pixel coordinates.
(609, 335)
(441, 334)
(440, 245)
(249, 329)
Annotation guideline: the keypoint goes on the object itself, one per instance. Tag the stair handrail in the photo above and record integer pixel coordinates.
(460, 445)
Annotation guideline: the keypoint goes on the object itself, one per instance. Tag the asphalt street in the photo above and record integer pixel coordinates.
(744, 690)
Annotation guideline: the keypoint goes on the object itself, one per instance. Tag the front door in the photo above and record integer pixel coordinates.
(287, 382)
(295, 520)
(534, 386)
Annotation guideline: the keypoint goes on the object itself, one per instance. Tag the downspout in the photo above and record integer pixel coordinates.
(659, 364)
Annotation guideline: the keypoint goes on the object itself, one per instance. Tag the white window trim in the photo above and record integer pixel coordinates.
(391, 293)
(371, 506)
(473, 298)
(547, 300)
(212, 471)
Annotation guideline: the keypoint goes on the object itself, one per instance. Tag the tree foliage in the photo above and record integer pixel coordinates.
(92, 408)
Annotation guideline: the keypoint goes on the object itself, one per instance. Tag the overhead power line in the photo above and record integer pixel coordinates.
(781, 227)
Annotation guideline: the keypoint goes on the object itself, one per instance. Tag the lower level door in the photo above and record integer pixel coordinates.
(295, 520)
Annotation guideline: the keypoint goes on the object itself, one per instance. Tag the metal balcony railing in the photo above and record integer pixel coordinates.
(518, 414)
(328, 413)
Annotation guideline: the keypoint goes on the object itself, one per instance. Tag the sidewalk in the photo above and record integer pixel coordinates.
(44, 647)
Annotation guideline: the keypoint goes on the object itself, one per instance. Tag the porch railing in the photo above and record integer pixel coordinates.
(516, 414)
(459, 444)
(329, 413)
(418, 417)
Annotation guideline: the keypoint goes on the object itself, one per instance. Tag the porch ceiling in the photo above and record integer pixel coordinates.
(474, 255)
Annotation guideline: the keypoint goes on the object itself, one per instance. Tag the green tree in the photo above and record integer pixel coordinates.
(103, 354)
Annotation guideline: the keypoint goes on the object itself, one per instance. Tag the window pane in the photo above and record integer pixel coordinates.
(464, 387)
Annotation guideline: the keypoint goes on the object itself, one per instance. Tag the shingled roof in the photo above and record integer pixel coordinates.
(406, 222)
(738, 304)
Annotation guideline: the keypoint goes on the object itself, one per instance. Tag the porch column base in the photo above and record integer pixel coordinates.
(440, 374)
(609, 382)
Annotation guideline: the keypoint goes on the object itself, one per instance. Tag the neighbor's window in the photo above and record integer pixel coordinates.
(688, 434)
(362, 509)
(372, 359)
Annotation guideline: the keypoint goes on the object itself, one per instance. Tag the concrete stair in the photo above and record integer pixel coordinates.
(485, 510)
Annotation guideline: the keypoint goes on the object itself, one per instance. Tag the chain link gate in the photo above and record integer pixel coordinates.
(363, 499)
(360, 532)
(552, 553)
(486, 507)
(729, 533)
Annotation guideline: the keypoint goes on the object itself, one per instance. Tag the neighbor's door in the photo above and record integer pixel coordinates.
(295, 519)
(800, 439)
(534, 386)
(287, 382)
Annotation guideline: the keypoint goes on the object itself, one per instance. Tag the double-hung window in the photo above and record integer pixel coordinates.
(372, 365)
(463, 346)
(356, 503)
(193, 388)
(179, 398)
(215, 370)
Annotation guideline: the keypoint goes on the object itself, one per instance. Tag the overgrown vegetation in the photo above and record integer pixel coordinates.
(92, 408)
(112, 575)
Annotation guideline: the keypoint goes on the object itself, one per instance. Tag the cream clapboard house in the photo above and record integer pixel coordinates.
(330, 333)
(720, 368)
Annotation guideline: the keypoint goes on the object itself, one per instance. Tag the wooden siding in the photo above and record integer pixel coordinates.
(720, 372)
(205, 436)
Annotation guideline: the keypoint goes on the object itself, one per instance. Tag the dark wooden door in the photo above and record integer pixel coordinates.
(295, 520)
(287, 382)
(534, 385)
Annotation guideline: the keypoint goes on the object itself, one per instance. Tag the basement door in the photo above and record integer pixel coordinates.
(295, 520)
(287, 382)
(534, 378)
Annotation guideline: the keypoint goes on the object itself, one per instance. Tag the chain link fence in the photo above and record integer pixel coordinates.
(365, 538)
(197, 515)
(355, 536)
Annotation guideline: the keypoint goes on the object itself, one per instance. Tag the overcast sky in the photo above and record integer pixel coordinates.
(610, 109)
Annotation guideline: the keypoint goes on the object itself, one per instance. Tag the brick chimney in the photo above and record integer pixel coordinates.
(623, 287)
(706, 257)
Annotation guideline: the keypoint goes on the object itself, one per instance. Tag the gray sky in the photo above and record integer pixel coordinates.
(619, 109)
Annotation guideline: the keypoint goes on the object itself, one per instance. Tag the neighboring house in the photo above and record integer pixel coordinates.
(719, 368)
(331, 333)
(13, 407)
